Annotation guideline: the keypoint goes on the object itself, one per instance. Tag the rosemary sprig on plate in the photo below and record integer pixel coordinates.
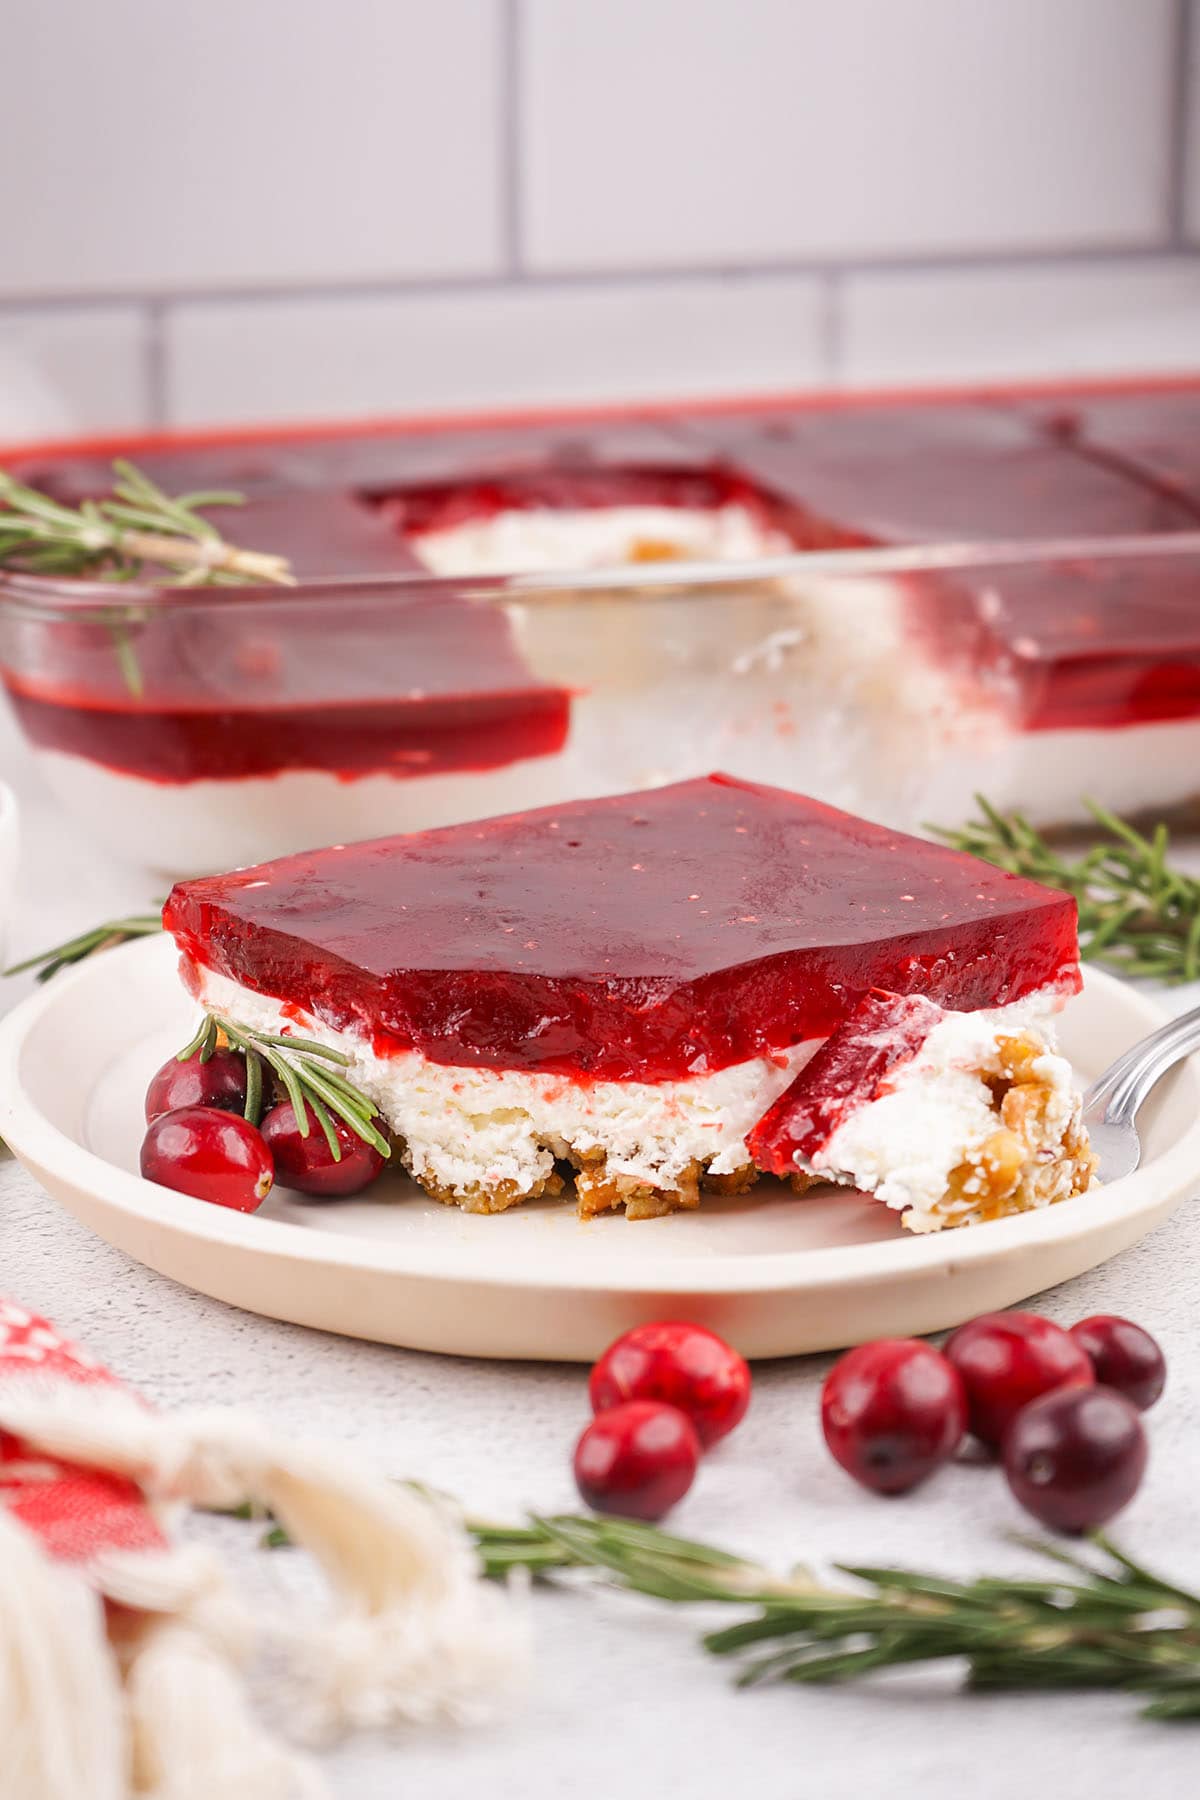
(1105, 1621)
(100, 937)
(1137, 914)
(310, 1074)
(137, 527)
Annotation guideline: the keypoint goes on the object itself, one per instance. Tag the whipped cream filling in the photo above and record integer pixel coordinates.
(470, 1131)
(939, 1112)
(552, 540)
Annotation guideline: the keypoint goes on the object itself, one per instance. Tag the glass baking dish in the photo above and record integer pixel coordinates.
(194, 729)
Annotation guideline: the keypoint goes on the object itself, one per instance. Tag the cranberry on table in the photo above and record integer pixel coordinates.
(1075, 1457)
(1123, 1356)
(307, 1163)
(1008, 1359)
(637, 1459)
(211, 1155)
(220, 1082)
(893, 1412)
(685, 1365)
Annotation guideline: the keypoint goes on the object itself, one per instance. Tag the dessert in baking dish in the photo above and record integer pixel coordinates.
(267, 722)
(618, 992)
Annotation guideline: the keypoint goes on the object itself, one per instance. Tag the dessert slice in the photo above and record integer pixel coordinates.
(951, 1118)
(617, 989)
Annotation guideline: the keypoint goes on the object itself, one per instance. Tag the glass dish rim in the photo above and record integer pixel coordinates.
(33, 596)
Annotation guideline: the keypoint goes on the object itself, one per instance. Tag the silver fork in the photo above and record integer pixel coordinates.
(1110, 1106)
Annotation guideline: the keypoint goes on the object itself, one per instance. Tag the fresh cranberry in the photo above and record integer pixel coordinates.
(892, 1412)
(637, 1459)
(1124, 1357)
(211, 1155)
(1008, 1359)
(685, 1365)
(1076, 1456)
(219, 1082)
(306, 1163)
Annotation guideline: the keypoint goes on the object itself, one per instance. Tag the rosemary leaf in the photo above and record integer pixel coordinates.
(314, 1092)
(101, 937)
(253, 1108)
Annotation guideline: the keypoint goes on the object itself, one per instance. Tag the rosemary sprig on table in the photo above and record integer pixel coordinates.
(1104, 1622)
(77, 949)
(1137, 915)
(309, 1073)
(117, 538)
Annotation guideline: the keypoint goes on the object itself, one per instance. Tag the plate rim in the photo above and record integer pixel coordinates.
(43, 1147)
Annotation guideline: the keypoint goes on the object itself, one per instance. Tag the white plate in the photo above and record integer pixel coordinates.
(777, 1274)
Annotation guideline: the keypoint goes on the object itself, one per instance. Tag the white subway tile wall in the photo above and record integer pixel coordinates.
(249, 142)
(1075, 319)
(1190, 121)
(494, 347)
(66, 369)
(664, 131)
(270, 209)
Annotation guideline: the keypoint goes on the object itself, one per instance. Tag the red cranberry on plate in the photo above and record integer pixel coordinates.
(637, 1459)
(1006, 1360)
(1075, 1457)
(685, 1365)
(211, 1155)
(1124, 1357)
(307, 1163)
(219, 1082)
(893, 1412)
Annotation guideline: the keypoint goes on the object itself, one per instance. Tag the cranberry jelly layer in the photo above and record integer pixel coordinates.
(645, 937)
(357, 683)
(938, 474)
(849, 1071)
(1150, 438)
(1093, 644)
(441, 506)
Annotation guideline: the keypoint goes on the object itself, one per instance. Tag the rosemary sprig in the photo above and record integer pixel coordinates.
(100, 937)
(116, 538)
(1104, 1622)
(1136, 914)
(309, 1073)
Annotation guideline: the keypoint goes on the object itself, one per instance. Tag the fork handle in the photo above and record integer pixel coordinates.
(1122, 1088)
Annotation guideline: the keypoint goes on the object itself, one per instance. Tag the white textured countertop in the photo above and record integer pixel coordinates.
(626, 1707)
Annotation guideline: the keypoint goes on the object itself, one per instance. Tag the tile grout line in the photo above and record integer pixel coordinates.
(832, 327)
(154, 354)
(512, 26)
(598, 280)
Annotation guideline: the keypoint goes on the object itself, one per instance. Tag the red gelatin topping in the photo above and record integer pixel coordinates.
(365, 683)
(637, 1460)
(1008, 1359)
(848, 1071)
(892, 1412)
(683, 1364)
(644, 937)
